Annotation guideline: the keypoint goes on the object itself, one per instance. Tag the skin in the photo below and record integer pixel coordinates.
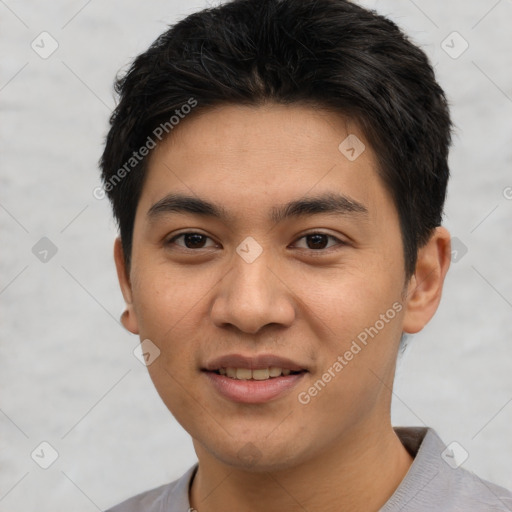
(339, 451)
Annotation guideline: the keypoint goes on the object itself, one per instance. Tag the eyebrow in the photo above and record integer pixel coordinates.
(329, 203)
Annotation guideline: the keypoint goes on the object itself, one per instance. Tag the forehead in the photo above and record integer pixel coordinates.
(252, 158)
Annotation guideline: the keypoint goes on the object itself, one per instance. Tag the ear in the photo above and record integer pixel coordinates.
(426, 285)
(128, 318)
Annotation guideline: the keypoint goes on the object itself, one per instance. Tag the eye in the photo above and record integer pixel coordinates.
(319, 241)
(314, 241)
(191, 240)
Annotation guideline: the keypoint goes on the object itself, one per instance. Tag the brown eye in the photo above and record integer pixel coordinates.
(190, 240)
(319, 241)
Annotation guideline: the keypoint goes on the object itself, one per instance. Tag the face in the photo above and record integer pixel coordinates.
(289, 248)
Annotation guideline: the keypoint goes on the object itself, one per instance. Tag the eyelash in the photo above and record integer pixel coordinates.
(339, 242)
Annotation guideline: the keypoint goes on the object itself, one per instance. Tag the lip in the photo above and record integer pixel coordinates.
(253, 391)
(253, 362)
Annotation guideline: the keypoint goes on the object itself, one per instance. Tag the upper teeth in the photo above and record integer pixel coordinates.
(260, 374)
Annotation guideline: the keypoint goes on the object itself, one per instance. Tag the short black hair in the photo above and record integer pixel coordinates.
(330, 54)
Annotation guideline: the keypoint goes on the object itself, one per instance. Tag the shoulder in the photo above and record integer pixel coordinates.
(166, 498)
(437, 482)
(475, 493)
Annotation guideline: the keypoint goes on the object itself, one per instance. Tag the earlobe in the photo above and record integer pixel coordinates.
(128, 318)
(426, 285)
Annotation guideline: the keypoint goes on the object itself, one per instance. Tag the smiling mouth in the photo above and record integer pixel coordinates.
(256, 385)
(256, 374)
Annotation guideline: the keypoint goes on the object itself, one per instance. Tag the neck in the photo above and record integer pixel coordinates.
(359, 473)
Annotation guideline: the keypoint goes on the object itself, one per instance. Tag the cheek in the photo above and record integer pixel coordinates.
(358, 315)
(164, 298)
(169, 313)
(345, 301)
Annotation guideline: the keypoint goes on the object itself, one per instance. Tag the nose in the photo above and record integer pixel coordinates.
(253, 295)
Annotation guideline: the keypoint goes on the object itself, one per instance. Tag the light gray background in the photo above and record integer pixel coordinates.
(68, 375)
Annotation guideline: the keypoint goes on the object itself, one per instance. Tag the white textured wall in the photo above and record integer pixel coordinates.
(67, 373)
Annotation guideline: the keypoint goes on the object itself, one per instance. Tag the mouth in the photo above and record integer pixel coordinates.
(253, 380)
(271, 372)
(243, 385)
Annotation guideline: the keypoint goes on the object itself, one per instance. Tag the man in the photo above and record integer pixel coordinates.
(278, 171)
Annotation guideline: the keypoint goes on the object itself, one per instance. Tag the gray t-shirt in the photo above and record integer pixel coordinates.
(433, 483)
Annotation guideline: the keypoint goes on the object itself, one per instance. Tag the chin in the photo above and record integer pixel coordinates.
(251, 458)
